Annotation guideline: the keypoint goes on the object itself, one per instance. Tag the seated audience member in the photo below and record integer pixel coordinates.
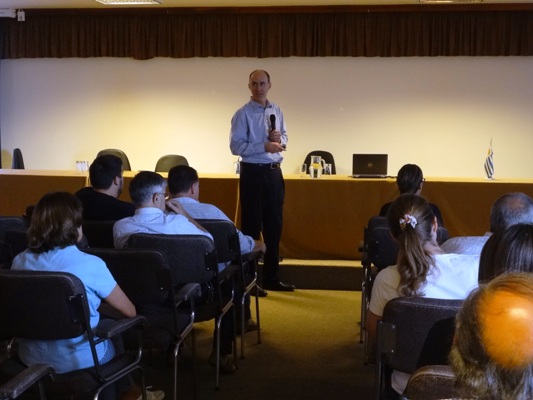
(422, 269)
(184, 188)
(100, 202)
(507, 250)
(410, 180)
(148, 193)
(492, 353)
(52, 236)
(507, 210)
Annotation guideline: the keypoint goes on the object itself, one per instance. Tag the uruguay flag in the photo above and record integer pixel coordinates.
(489, 163)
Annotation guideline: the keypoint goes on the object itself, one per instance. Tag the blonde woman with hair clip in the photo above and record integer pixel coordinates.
(421, 270)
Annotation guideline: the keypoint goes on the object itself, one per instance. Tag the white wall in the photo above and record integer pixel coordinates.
(440, 113)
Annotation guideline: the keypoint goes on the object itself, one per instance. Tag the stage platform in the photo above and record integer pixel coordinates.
(322, 274)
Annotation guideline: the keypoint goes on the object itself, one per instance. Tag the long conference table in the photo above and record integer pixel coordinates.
(323, 218)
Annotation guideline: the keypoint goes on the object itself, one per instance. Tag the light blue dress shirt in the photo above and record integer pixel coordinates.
(153, 220)
(249, 132)
(199, 210)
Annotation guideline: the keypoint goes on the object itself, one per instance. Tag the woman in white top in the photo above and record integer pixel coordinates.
(422, 268)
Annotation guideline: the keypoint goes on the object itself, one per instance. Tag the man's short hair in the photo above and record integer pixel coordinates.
(511, 209)
(492, 353)
(144, 185)
(103, 170)
(181, 178)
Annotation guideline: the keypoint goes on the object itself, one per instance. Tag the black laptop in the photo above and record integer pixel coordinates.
(369, 165)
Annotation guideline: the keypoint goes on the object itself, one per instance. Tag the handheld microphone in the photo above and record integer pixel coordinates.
(273, 121)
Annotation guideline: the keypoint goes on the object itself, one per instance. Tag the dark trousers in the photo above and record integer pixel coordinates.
(262, 192)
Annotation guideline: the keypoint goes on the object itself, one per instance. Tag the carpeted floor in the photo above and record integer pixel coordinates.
(310, 350)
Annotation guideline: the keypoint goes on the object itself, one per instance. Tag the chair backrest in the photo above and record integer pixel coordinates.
(119, 153)
(170, 160)
(18, 160)
(142, 274)
(8, 223)
(326, 156)
(419, 330)
(381, 248)
(414, 332)
(226, 239)
(191, 258)
(99, 233)
(53, 304)
(16, 240)
(433, 382)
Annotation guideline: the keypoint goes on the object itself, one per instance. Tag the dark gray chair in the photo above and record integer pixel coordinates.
(433, 382)
(170, 160)
(119, 153)
(145, 277)
(9, 223)
(193, 259)
(326, 156)
(18, 160)
(413, 332)
(99, 233)
(379, 251)
(53, 305)
(229, 251)
(23, 381)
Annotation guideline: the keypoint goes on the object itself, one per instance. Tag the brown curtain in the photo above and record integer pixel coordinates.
(271, 32)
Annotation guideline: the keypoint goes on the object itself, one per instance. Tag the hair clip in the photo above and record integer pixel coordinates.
(408, 220)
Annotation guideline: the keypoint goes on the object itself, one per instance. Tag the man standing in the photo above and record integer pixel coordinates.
(259, 136)
(100, 202)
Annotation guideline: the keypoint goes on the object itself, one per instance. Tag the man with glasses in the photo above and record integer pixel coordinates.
(148, 193)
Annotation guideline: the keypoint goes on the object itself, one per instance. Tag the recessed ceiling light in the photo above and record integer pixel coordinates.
(128, 2)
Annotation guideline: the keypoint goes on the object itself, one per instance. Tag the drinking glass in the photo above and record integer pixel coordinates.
(303, 170)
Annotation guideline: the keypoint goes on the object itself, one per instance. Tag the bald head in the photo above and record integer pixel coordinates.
(511, 209)
(506, 322)
(492, 354)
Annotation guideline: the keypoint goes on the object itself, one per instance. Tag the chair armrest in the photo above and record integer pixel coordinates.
(23, 380)
(187, 291)
(120, 326)
(228, 272)
(250, 256)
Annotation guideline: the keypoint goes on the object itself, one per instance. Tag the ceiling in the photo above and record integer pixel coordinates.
(26, 4)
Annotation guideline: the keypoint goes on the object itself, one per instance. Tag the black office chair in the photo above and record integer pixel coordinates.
(379, 251)
(99, 233)
(414, 332)
(326, 156)
(52, 306)
(119, 153)
(229, 251)
(170, 160)
(18, 160)
(8, 223)
(193, 259)
(27, 378)
(145, 277)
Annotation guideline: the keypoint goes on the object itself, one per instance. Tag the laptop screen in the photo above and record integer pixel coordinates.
(370, 165)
